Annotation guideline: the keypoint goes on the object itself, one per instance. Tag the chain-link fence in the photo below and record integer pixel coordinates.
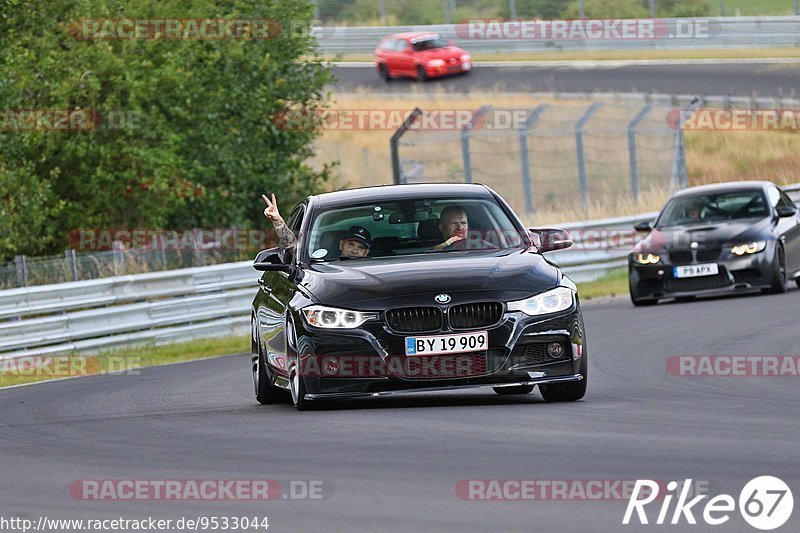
(75, 266)
(554, 156)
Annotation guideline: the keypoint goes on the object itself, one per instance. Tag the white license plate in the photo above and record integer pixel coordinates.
(438, 344)
(694, 271)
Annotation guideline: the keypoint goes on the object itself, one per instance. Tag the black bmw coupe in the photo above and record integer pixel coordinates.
(717, 239)
(446, 289)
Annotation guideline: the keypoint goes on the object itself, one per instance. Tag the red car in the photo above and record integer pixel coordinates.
(419, 55)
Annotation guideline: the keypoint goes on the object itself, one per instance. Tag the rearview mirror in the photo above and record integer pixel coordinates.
(271, 259)
(785, 211)
(645, 225)
(550, 239)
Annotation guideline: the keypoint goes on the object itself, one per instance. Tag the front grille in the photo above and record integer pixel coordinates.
(696, 284)
(475, 315)
(414, 319)
(708, 255)
(681, 258)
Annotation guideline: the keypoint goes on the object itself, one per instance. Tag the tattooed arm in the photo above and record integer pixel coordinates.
(285, 236)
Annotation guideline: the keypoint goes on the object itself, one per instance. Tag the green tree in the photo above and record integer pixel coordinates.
(194, 142)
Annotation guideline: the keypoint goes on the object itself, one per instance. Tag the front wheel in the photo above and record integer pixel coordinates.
(779, 283)
(570, 391)
(383, 72)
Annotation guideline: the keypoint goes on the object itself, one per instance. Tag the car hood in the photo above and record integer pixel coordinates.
(446, 53)
(465, 276)
(707, 236)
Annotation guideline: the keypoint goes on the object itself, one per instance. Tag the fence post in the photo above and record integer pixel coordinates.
(512, 8)
(465, 151)
(584, 185)
(796, 8)
(653, 8)
(527, 183)
(395, 140)
(21, 266)
(72, 262)
(680, 177)
(632, 151)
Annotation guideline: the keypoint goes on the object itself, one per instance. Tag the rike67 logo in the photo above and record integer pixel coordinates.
(765, 502)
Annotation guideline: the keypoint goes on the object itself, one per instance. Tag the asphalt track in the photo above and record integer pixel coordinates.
(392, 464)
(762, 79)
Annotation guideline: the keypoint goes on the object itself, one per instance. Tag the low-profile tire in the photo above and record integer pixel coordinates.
(297, 386)
(508, 391)
(421, 74)
(383, 72)
(779, 283)
(266, 392)
(571, 391)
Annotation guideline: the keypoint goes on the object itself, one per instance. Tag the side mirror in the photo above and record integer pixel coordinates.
(270, 259)
(550, 239)
(786, 211)
(645, 225)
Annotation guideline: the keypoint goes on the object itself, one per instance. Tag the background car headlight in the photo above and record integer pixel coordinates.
(552, 301)
(434, 63)
(748, 248)
(330, 317)
(647, 258)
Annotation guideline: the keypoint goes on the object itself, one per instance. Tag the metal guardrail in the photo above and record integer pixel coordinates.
(87, 316)
(721, 32)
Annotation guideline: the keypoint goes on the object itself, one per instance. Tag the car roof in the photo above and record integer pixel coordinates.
(412, 35)
(398, 192)
(730, 186)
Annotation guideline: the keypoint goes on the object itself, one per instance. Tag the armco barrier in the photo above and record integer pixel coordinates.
(87, 316)
(722, 32)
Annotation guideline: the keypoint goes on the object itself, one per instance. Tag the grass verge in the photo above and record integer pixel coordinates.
(614, 283)
(121, 360)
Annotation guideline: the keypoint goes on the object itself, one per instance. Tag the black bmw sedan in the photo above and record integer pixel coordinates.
(717, 239)
(450, 291)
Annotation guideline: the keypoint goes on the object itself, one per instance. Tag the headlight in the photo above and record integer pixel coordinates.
(465, 58)
(330, 317)
(647, 258)
(434, 63)
(748, 248)
(552, 301)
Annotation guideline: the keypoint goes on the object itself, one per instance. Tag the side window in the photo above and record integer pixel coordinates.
(785, 201)
(401, 45)
(774, 196)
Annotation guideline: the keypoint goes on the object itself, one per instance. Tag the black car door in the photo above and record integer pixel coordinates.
(282, 288)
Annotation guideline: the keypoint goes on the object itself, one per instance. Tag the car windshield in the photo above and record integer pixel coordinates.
(410, 227)
(710, 208)
(430, 44)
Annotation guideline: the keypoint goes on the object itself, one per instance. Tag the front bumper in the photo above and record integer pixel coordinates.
(448, 69)
(736, 274)
(371, 360)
